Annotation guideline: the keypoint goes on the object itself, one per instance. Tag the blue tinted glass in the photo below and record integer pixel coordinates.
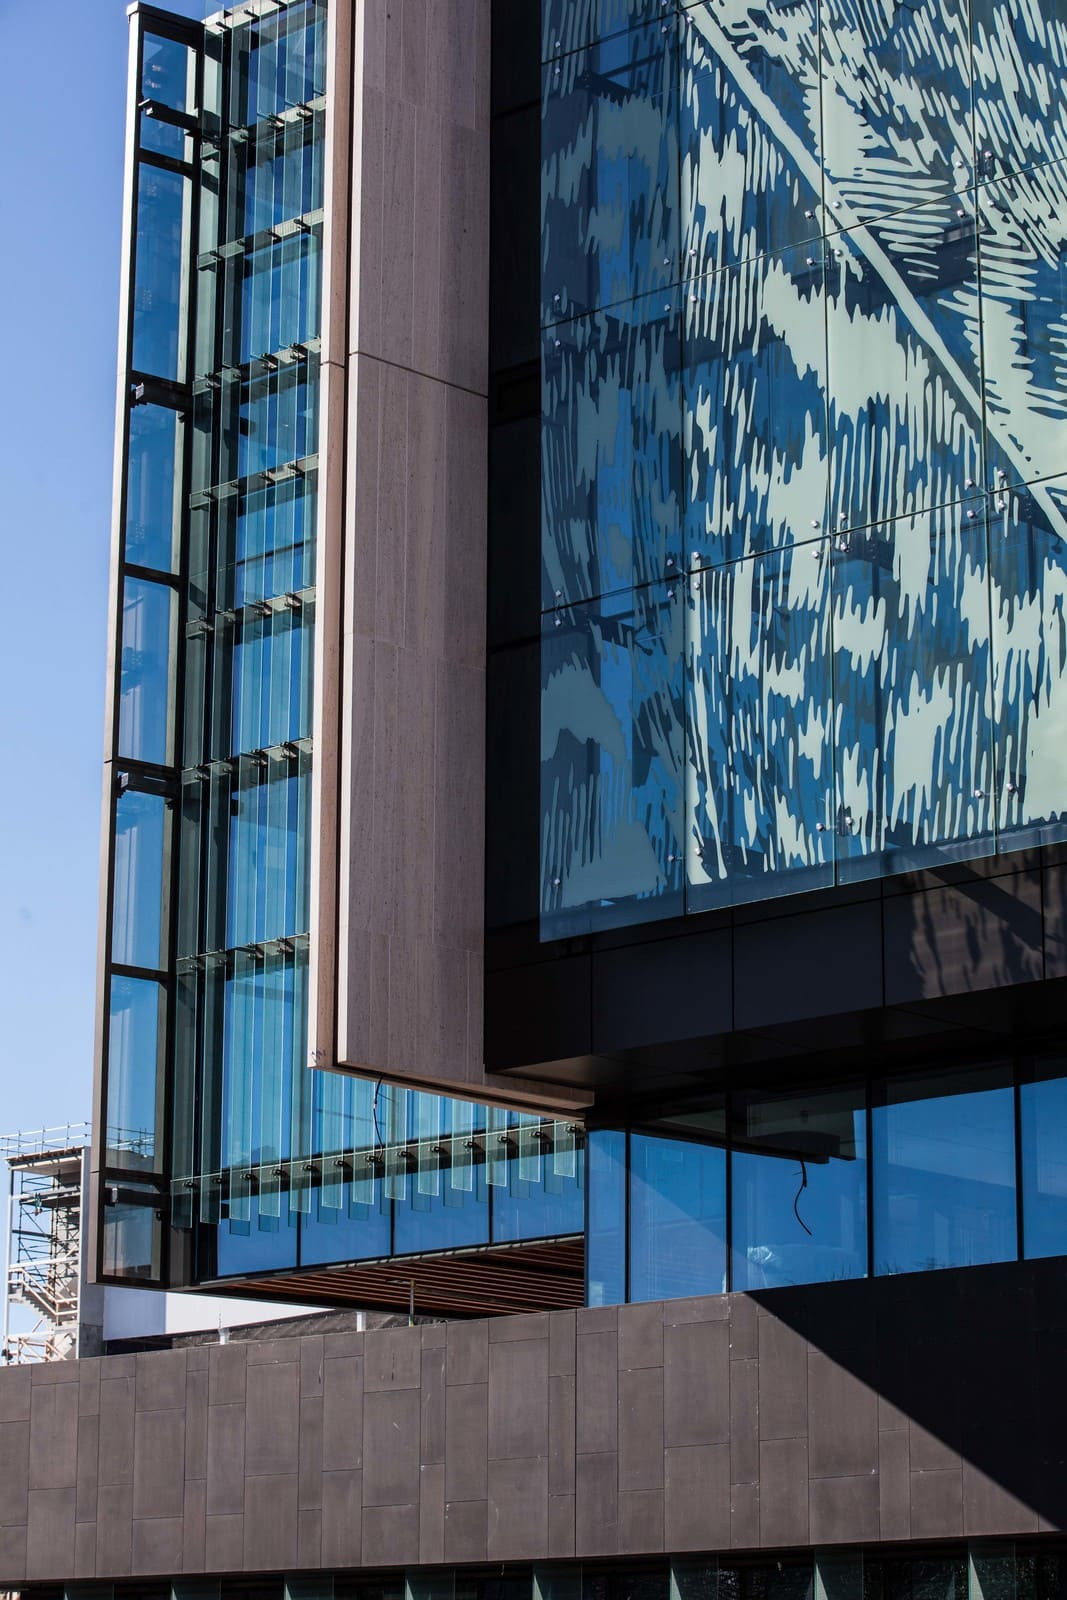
(437, 1215)
(611, 762)
(904, 381)
(1023, 245)
(256, 1243)
(152, 501)
(943, 1156)
(159, 273)
(274, 542)
(132, 1072)
(1028, 562)
(799, 1173)
(164, 137)
(144, 687)
(543, 1197)
(166, 72)
(912, 689)
(755, 407)
(611, 487)
(1043, 1129)
(567, 24)
(609, 201)
(760, 784)
(677, 1218)
(605, 1239)
(749, 107)
(279, 300)
(896, 105)
(1020, 58)
(357, 1231)
(138, 913)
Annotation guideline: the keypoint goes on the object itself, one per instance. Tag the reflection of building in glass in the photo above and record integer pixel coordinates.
(583, 858)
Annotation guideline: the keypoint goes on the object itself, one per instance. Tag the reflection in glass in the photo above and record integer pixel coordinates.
(1028, 563)
(609, 206)
(138, 909)
(611, 486)
(749, 109)
(904, 384)
(1043, 1133)
(131, 1241)
(758, 774)
(159, 272)
(943, 1152)
(1024, 309)
(168, 72)
(799, 1173)
(912, 694)
(133, 1077)
(677, 1218)
(543, 1196)
(252, 1240)
(605, 1237)
(611, 720)
(145, 682)
(568, 24)
(153, 501)
(755, 408)
(896, 104)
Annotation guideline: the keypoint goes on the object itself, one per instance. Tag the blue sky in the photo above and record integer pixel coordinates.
(60, 197)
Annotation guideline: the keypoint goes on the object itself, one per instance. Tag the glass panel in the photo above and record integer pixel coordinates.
(137, 1023)
(168, 72)
(611, 732)
(611, 489)
(455, 1212)
(1024, 310)
(943, 1151)
(537, 1203)
(750, 130)
(677, 1218)
(755, 407)
(145, 687)
(905, 401)
(159, 276)
(567, 24)
(788, 1578)
(605, 1237)
(929, 1576)
(1020, 58)
(759, 780)
(609, 179)
(896, 105)
(256, 1242)
(798, 1166)
(912, 694)
(153, 487)
(1043, 1126)
(139, 909)
(131, 1244)
(166, 138)
(1028, 562)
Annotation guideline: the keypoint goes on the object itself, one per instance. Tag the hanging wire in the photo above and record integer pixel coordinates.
(796, 1197)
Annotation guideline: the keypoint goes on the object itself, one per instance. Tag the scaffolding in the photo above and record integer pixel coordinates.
(44, 1242)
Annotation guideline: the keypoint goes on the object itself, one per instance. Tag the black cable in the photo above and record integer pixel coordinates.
(796, 1197)
(374, 1114)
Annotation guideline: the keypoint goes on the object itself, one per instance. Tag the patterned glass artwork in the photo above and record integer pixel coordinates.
(805, 364)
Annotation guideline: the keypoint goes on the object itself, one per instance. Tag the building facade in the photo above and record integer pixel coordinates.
(586, 808)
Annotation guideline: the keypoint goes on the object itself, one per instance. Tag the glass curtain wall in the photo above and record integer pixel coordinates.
(953, 1167)
(136, 1018)
(803, 417)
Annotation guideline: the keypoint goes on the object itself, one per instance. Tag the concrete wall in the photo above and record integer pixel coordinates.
(918, 1407)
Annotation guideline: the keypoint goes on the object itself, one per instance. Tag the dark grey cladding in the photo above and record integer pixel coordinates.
(927, 1406)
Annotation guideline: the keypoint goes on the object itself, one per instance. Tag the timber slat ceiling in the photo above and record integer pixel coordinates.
(540, 1277)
